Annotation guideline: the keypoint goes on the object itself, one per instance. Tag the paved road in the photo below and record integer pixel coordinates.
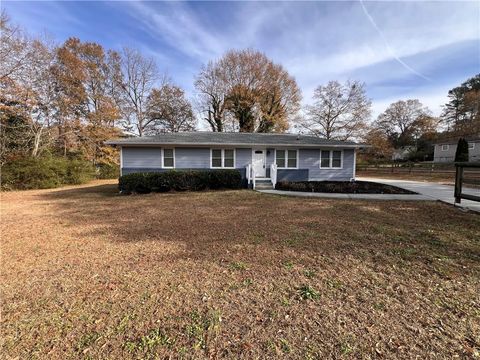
(433, 190)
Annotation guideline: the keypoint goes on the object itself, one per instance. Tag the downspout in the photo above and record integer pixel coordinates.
(121, 160)
(354, 163)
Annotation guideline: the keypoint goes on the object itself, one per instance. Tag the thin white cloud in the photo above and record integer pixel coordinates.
(180, 28)
(390, 50)
(315, 41)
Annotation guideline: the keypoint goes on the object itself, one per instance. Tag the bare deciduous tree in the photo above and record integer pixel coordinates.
(212, 91)
(15, 48)
(169, 111)
(403, 120)
(139, 77)
(339, 111)
(248, 87)
(27, 86)
(280, 100)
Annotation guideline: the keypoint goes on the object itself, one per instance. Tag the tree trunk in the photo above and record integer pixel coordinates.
(36, 143)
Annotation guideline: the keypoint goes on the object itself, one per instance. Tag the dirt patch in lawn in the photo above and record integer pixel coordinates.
(87, 273)
(341, 187)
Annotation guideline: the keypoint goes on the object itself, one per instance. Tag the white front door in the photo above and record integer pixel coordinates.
(259, 163)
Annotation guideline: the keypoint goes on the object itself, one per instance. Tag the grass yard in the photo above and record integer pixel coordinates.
(87, 273)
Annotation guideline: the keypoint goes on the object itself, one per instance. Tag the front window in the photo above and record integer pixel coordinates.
(168, 158)
(471, 146)
(223, 158)
(228, 158)
(325, 161)
(336, 159)
(445, 147)
(286, 158)
(281, 158)
(331, 159)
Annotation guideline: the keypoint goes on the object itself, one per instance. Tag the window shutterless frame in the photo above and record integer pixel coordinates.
(330, 159)
(222, 159)
(172, 157)
(445, 147)
(297, 159)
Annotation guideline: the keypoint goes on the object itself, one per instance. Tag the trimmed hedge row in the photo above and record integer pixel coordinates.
(187, 180)
(342, 187)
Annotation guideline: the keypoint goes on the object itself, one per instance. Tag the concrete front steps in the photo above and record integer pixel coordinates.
(263, 184)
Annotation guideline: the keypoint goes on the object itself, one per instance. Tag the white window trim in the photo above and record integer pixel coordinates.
(471, 146)
(223, 158)
(330, 167)
(286, 159)
(445, 147)
(163, 159)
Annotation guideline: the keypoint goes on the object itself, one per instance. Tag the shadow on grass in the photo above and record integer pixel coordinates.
(96, 191)
(211, 225)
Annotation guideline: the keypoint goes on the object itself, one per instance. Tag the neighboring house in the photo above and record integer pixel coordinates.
(297, 157)
(403, 152)
(445, 150)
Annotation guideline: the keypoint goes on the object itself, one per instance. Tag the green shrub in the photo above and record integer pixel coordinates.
(193, 180)
(108, 171)
(78, 172)
(45, 172)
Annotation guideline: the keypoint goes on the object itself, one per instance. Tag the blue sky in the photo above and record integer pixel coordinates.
(399, 49)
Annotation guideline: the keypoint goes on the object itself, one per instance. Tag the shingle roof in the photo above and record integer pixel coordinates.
(230, 138)
(454, 141)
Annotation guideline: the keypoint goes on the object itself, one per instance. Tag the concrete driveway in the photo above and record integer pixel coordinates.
(433, 190)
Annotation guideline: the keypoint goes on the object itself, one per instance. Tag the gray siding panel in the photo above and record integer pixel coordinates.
(444, 156)
(292, 175)
(243, 157)
(142, 157)
(270, 158)
(127, 171)
(192, 158)
(448, 156)
(310, 159)
(149, 159)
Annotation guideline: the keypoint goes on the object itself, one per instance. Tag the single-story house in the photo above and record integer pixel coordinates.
(403, 152)
(274, 157)
(444, 151)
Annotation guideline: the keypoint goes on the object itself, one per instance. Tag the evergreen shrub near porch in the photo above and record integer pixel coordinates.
(183, 180)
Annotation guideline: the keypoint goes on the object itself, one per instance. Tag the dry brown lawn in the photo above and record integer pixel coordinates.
(87, 273)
